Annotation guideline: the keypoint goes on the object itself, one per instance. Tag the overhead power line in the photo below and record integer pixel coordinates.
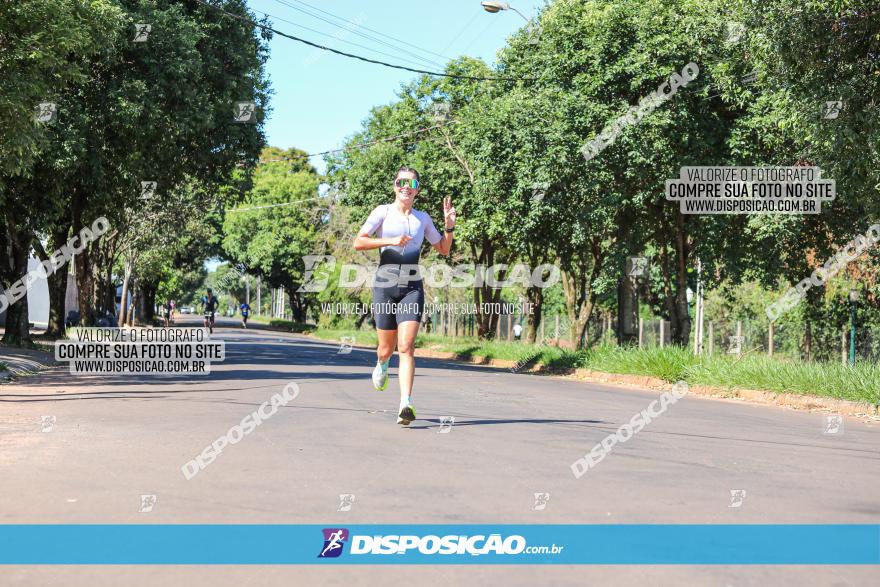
(353, 56)
(341, 40)
(360, 34)
(366, 28)
(360, 145)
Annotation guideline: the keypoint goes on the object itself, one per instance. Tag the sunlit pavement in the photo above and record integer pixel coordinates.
(112, 440)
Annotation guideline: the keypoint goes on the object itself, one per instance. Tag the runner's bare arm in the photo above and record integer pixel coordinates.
(365, 242)
(449, 217)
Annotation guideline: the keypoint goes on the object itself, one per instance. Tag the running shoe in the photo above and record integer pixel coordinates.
(380, 376)
(407, 414)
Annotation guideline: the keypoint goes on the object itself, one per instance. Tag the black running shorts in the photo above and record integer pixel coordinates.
(398, 303)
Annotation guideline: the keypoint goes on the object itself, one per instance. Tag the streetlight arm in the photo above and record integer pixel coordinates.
(494, 7)
(518, 12)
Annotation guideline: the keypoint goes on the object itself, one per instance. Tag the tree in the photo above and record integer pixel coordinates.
(45, 44)
(159, 111)
(277, 223)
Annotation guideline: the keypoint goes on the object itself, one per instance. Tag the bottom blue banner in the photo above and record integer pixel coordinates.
(441, 544)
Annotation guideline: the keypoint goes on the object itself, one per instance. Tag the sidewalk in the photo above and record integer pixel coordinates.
(22, 361)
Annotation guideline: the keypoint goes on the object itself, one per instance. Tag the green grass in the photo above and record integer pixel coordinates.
(3, 367)
(859, 383)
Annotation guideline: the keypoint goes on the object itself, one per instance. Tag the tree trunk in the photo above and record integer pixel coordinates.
(17, 329)
(675, 302)
(681, 328)
(537, 256)
(57, 286)
(17, 332)
(535, 297)
(578, 277)
(627, 312)
(123, 305)
(85, 282)
(135, 300)
(487, 323)
(148, 300)
(297, 308)
(18, 245)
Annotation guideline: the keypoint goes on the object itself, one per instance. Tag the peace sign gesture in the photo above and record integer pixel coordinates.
(448, 212)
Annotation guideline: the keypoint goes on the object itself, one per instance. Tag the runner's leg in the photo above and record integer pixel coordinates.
(406, 338)
(387, 342)
(384, 350)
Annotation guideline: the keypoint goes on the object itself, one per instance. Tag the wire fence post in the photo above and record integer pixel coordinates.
(662, 333)
(770, 339)
(739, 340)
(641, 330)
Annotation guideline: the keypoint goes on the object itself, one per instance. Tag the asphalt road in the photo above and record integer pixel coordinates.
(115, 438)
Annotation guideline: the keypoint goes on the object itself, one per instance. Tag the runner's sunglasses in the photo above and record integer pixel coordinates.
(412, 184)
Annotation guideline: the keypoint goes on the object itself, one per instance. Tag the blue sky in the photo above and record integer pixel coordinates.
(321, 98)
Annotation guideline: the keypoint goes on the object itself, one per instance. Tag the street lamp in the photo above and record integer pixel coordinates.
(853, 300)
(494, 7)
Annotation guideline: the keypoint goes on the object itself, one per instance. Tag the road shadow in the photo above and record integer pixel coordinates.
(436, 423)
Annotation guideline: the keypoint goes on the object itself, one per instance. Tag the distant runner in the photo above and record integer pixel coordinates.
(245, 310)
(164, 310)
(399, 305)
(209, 305)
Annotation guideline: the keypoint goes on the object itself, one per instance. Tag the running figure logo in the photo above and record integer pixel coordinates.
(148, 190)
(345, 345)
(47, 423)
(737, 496)
(446, 423)
(833, 424)
(46, 112)
(245, 112)
(735, 31)
(541, 500)
(832, 109)
(346, 500)
(539, 190)
(334, 540)
(147, 503)
(635, 266)
(141, 32)
(736, 343)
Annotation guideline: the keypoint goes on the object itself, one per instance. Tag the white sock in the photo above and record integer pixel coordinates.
(405, 401)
